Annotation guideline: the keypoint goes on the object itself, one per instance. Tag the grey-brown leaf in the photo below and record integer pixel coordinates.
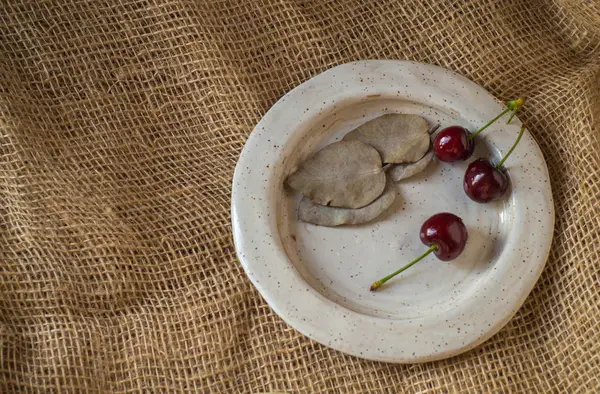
(345, 174)
(403, 171)
(310, 212)
(399, 138)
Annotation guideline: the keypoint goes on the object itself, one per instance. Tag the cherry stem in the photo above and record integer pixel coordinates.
(381, 281)
(511, 116)
(512, 105)
(511, 149)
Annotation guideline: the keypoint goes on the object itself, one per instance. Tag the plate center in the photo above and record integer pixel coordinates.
(342, 262)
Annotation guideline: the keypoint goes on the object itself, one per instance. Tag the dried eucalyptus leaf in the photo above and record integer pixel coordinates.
(433, 129)
(399, 138)
(344, 174)
(403, 171)
(322, 215)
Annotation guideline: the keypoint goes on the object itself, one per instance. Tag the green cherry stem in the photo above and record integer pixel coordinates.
(512, 148)
(512, 105)
(381, 281)
(511, 116)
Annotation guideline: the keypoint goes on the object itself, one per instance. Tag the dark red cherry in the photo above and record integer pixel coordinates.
(452, 144)
(455, 143)
(446, 236)
(446, 231)
(484, 182)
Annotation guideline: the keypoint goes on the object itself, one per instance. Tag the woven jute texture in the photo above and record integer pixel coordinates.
(120, 126)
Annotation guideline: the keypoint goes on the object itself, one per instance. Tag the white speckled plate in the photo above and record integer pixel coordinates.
(317, 278)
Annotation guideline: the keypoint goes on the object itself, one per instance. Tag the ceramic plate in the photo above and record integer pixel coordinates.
(317, 278)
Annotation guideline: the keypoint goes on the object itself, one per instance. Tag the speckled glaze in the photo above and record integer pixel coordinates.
(317, 278)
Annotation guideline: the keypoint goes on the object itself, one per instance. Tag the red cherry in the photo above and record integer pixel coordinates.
(452, 144)
(446, 236)
(485, 182)
(455, 143)
(446, 231)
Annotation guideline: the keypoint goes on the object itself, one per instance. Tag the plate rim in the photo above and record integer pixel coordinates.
(253, 212)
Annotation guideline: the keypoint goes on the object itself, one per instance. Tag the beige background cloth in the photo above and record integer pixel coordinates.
(120, 126)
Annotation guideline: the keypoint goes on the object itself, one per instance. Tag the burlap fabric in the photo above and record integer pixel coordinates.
(120, 126)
